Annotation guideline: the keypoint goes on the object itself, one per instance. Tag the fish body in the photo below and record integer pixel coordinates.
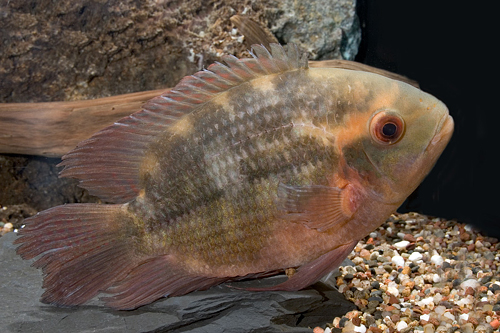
(240, 171)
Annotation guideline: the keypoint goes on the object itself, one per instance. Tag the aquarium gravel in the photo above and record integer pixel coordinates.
(421, 274)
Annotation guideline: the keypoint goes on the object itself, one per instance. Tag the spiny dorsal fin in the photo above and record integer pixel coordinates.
(254, 32)
(107, 164)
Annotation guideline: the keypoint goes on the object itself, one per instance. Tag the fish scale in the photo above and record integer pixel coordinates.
(224, 142)
(240, 171)
(236, 202)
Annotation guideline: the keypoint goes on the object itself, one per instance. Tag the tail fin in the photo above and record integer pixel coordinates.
(83, 250)
(86, 249)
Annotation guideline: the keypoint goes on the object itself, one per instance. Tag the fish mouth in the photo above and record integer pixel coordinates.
(432, 152)
(443, 134)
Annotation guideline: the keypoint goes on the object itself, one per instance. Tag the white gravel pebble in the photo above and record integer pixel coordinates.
(425, 317)
(426, 301)
(401, 245)
(464, 316)
(474, 284)
(393, 291)
(361, 328)
(398, 261)
(401, 325)
(415, 256)
(437, 260)
(449, 315)
(440, 309)
(463, 302)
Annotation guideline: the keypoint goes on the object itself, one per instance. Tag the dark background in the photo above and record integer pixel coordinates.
(452, 51)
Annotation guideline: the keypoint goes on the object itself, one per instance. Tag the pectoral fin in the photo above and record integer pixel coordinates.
(318, 207)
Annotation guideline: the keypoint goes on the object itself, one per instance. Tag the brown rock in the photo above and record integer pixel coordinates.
(445, 291)
(495, 323)
(464, 235)
(434, 321)
(409, 237)
(469, 291)
(483, 289)
(406, 292)
(365, 254)
(361, 303)
(393, 300)
(25, 181)
(395, 318)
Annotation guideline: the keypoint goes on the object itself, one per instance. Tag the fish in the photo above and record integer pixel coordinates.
(243, 170)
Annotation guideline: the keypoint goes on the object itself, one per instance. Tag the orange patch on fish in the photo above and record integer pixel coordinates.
(352, 129)
(320, 132)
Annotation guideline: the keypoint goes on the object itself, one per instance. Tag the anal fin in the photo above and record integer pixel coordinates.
(153, 279)
(313, 271)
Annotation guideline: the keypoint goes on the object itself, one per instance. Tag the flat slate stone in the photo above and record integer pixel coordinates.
(219, 309)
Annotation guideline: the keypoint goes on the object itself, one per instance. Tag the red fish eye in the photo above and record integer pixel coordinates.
(386, 127)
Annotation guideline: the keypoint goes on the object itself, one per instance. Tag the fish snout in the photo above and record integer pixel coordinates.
(443, 134)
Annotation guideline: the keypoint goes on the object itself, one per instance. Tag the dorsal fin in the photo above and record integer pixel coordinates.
(107, 164)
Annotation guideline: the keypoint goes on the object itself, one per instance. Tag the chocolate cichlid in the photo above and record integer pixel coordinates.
(241, 171)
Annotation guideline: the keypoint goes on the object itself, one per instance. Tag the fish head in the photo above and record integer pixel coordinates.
(404, 141)
(402, 132)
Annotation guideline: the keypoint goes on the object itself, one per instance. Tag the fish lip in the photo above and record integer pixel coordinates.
(443, 133)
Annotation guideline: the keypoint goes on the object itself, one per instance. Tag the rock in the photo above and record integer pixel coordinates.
(401, 245)
(398, 261)
(409, 237)
(7, 227)
(27, 181)
(15, 214)
(470, 283)
(327, 29)
(401, 325)
(437, 260)
(415, 257)
(219, 309)
(69, 50)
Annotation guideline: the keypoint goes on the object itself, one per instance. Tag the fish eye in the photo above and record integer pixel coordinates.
(387, 127)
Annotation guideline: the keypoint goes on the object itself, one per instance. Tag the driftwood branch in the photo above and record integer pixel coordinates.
(52, 129)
